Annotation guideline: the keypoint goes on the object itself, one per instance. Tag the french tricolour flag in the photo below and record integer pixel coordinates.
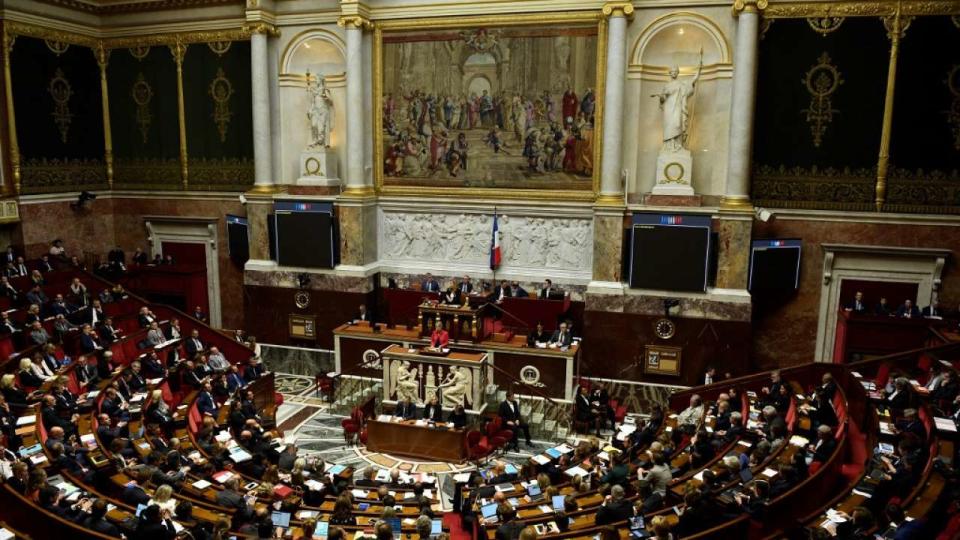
(495, 245)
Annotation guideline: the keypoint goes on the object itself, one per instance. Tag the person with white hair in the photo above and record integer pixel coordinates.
(693, 414)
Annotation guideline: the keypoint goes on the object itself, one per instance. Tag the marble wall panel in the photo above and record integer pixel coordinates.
(607, 247)
(84, 232)
(733, 260)
(785, 330)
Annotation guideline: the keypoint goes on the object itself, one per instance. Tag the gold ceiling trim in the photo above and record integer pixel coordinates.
(201, 36)
(801, 10)
(489, 20)
(124, 6)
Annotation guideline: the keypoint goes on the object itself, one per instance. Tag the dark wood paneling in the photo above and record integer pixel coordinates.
(552, 369)
(268, 310)
(351, 355)
(614, 345)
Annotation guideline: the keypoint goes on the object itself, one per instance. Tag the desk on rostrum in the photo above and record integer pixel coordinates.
(408, 439)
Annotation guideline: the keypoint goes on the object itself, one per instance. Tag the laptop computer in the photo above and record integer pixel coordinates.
(395, 525)
(323, 529)
(558, 502)
(436, 527)
(281, 519)
(140, 509)
(534, 491)
(489, 512)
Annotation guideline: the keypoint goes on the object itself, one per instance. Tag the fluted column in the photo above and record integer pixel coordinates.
(8, 40)
(356, 181)
(611, 184)
(260, 88)
(737, 192)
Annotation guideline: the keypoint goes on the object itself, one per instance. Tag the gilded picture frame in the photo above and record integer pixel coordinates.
(382, 28)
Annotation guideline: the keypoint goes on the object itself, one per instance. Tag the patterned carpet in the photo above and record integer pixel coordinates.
(306, 418)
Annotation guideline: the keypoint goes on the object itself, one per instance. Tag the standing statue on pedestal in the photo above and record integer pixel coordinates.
(674, 161)
(320, 113)
(676, 112)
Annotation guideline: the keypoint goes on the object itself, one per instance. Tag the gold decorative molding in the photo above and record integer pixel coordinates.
(749, 6)
(219, 48)
(610, 200)
(220, 91)
(736, 203)
(130, 6)
(826, 24)
(141, 43)
(8, 40)
(618, 9)
(102, 55)
(179, 50)
(876, 8)
(821, 81)
(140, 52)
(56, 47)
(355, 21)
(142, 93)
(262, 28)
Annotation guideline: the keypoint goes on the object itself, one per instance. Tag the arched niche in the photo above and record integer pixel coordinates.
(321, 53)
(676, 39)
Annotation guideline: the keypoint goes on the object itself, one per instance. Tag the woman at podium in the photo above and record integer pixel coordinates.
(439, 339)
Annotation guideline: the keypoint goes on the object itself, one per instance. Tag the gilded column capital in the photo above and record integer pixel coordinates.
(748, 6)
(102, 54)
(178, 50)
(355, 21)
(263, 28)
(8, 40)
(618, 9)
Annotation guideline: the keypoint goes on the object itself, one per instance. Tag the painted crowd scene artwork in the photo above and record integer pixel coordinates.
(503, 108)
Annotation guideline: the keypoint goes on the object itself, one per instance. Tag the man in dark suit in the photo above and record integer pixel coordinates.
(406, 409)
(465, 287)
(561, 337)
(369, 478)
(134, 494)
(21, 267)
(826, 444)
(911, 424)
(857, 305)
(509, 413)
(105, 432)
(433, 410)
(883, 308)
(193, 345)
(145, 317)
(36, 296)
(205, 402)
(614, 508)
(106, 332)
(518, 290)
(548, 291)
(908, 310)
(88, 340)
(501, 291)
(7, 326)
(429, 284)
(51, 419)
(152, 367)
(96, 521)
(933, 310)
(363, 314)
(8, 290)
(94, 314)
(510, 530)
(230, 497)
(539, 335)
(44, 264)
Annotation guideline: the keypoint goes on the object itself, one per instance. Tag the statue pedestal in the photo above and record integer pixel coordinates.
(674, 172)
(318, 168)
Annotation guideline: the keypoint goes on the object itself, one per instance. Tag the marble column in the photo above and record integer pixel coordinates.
(611, 184)
(260, 88)
(356, 181)
(737, 193)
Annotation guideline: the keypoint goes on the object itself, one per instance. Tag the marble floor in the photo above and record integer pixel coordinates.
(307, 421)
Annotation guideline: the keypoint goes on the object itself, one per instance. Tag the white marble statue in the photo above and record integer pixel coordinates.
(406, 383)
(676, 111)
(457, 387)
(320, 113)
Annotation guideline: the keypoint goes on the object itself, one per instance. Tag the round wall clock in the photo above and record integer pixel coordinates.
(664, 328)
(301, 299)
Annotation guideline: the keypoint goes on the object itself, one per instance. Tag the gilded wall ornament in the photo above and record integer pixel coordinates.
(821, 81)
(220, 91)
(220, 48)
(139, 52)
(825, 25)
(905, 21)
(953, 115)
(60, 90)
(956, 20)
(142, 94)
(57, 47)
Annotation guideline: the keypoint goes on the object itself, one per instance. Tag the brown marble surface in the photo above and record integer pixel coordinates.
(733, 259)
(652, 305)
(257, 212)
(89, 231)
(358, 234)
(318, 281)
(785, 329)
(607, 247)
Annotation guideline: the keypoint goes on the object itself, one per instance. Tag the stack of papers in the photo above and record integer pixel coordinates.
(576, 471)
(540, 459)
(945, 424)
(25, 420)
(797, 440)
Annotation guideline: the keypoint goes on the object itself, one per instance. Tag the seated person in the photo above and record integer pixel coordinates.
(450, 296)
(440, 338)
(363, 314)
(584, 412)
(908, 310)
(538, 336)
(458, 417)
(518, 290)
(433, 410)
(857, 305)
(561, 337)
(693, 414)
(883, 308)
(406, 409)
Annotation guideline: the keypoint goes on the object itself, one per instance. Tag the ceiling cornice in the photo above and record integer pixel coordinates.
(113, 7)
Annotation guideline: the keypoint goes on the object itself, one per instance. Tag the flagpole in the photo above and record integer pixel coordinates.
(493, 267)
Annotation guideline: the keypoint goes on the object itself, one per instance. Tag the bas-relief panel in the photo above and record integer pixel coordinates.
(529, 245)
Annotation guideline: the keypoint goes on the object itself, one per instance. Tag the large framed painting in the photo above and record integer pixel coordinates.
(491, 106)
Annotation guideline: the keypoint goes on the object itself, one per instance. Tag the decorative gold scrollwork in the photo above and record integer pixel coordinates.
(821, 81)
(905, 21)
(140, 52)
(60, 90)
(220, 91)
(57, 47)
(825, 25)
(953, 115)
(220, 48)
(142, 94)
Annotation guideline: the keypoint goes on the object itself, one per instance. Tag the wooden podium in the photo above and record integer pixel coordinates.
(463, 322)
(429, 372)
